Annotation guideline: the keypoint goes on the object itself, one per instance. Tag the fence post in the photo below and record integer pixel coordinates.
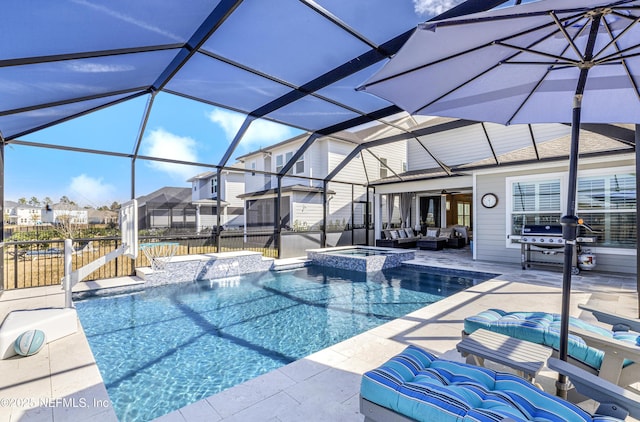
(68, 268)
(15, 266)
(117, 259)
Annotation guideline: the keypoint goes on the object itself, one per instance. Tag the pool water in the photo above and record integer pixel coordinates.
(169, 346)
(361, 252)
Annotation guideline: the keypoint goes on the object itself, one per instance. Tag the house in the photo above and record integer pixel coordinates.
(102, 217)
(64, 213)
(166, 208)
(301, 190)
(523, 169)
(204, 195)
(21, 214)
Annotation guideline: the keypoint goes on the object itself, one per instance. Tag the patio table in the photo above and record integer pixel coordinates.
(525, 357)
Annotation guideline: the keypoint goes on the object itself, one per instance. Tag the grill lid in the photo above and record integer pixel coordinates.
(542, 229)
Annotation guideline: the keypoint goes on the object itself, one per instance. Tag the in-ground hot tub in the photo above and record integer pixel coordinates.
(360, 258)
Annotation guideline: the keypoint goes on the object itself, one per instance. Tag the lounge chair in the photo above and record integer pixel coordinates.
(417, 386)
(609, 354)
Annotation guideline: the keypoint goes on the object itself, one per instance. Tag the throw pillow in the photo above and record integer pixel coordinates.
(432, 232)
(402, 234)
(409, 232)
(394, 234)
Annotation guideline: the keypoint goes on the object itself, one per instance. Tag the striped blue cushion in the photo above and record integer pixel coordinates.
(544, 328)
(420, 386)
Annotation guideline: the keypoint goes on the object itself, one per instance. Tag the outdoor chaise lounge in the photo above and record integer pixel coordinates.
(417, 386)
(610, 354)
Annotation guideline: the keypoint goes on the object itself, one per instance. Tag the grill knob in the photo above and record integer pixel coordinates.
(541, 240)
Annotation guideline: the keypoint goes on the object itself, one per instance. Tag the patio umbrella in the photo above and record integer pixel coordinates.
(550, 61)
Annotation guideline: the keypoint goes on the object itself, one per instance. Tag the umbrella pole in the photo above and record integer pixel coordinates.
(570, 221)
(569, 233)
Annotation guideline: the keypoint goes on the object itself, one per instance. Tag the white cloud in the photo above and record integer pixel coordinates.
(433, 7)
(162, 144)
(260, 133)
(148, 26)
(98, 68)
(87, 190)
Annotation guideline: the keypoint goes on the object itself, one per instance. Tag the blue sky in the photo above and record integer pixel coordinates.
(177, 128)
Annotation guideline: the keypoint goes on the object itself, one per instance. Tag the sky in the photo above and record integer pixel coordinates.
(177, 128)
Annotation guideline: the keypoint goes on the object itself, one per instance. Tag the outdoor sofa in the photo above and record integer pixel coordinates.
(398, 238)
(417, 386)
(437, 239)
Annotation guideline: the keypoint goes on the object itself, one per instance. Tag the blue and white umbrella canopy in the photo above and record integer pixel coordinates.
(550, 61)
(520, 65)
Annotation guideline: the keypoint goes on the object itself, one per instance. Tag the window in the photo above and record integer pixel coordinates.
(253, 168)
(383, 168)
(404, 167)
(299, 167)
(464, 213)
(214, 185)
(607, 203)
(534, 202)
(282, 159)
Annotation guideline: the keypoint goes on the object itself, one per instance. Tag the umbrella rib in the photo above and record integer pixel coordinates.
(535, 88)
(520, 50)
(566, 35)
(614, 41)
(453, 56)
(539, 53)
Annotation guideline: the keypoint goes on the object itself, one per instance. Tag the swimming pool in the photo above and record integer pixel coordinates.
(169, 346)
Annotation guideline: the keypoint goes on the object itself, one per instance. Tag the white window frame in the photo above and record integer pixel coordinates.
(214, 185)
(295, 165)
(544, 177)
(563, 176)
(608, 172)
(384, 166)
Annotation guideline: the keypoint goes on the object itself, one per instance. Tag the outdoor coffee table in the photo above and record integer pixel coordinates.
(525, 357)
(431, 244)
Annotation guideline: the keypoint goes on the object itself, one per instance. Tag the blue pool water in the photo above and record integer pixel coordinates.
(169, 346)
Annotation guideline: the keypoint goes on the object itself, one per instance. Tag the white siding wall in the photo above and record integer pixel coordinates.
(395, 154)
(490, 228)
(234, 186)
(336, 153)
(307, 210)
(255, 182)
(418, 158)
(339, 208)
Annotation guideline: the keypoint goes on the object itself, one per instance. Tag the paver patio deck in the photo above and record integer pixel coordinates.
(323, 386)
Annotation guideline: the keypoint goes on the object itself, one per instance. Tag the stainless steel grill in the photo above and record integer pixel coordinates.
(547, 240)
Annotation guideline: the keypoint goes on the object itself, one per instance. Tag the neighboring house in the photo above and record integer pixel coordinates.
(102, 217)
(63, 213)
(301, 206)
(22, 214)
(167, 208)
(204, 196)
